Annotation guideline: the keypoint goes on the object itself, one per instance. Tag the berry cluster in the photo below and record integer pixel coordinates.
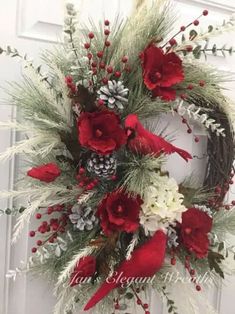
(85, 182)
(51, 227)
(172, 42)
(188, 267)
(70, 84)
(219, 193)
(97, 64)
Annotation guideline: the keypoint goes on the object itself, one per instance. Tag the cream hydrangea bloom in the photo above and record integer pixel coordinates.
(162, 204)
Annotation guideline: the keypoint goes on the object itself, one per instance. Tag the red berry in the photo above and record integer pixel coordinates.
(196, 139)
(139, 302)
(81, 170)
(94, 71)
(233, 202)
(114, 177)
(189, 131)
(94, 64)
(190, 86)
(89, 56)
(183, 96)
(68, 79)
(55, 226)
(205, 12)
(184, 120)
(117, 306)
(107, 43)
(198, 288)
(87, 45)
(147, 312)
(231, 182)
(100, 102)
(202, 83)
(218, 190)
(173, 42)
(187, 257)
(192, 272)
(105, 80)
(89, 187)
(38, 216)
(173, 261)
(100, 54)
(182, 28)
(91, 35)
(196, 23)
(106, 22)
(106, 32)
(32, 233)
(102, 65)
(124, 59)
(117, 73)
(39, 242)
(50, 210)
(189, 48)
(110, 69)
(34, 250)
(227, 207)
(145, 305)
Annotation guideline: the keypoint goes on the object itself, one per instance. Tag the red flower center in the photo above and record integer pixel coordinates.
(188, 230)
(98, 133)
(120, 209)
(155, 76)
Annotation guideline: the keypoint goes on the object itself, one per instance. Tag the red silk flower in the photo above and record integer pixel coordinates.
(46, 173)
(194, 230)
(85, 268)
(101, 131)
(161, 72)
(119, 212)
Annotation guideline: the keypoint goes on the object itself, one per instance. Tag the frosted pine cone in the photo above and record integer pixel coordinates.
(114, 94)
(102, 166)
(83, 217)
(172, 238)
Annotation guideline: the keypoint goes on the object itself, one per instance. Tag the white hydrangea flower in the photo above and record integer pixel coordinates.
(162, 205)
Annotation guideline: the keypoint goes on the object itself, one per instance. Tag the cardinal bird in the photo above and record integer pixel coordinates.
(144, 263)
(142, 141)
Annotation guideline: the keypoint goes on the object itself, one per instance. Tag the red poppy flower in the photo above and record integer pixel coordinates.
(46, 173)
(119, 212)
(161, 72)
(101, 132)
(194, 230)
(85, 268)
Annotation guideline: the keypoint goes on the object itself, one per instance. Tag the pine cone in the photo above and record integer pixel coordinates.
(172, 237)
(114, 94)
(83, 217)
(102, 166)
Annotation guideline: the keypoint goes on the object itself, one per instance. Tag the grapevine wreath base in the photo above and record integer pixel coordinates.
(110, 226)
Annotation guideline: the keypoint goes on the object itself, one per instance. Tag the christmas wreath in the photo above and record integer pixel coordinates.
(109, 221)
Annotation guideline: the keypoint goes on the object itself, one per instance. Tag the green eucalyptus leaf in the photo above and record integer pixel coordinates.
(193, 34)
(197, 52)
(210, 28)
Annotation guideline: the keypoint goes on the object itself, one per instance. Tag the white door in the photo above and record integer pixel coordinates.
(34, 25)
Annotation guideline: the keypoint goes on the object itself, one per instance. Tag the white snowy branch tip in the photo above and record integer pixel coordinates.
(195, 113)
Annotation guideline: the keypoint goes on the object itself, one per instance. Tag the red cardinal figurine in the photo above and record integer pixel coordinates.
(142, 141)
(144, 262)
